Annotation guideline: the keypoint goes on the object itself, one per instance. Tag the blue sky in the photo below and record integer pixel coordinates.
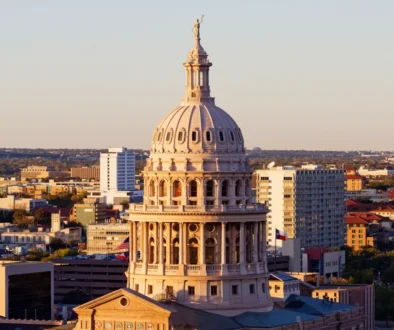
(293, 74)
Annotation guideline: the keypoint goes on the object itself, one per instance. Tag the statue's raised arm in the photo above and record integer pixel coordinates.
(196, 28)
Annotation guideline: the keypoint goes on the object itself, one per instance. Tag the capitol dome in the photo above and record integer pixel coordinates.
(197, 126)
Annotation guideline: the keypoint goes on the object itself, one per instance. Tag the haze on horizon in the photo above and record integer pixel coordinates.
(313, 75)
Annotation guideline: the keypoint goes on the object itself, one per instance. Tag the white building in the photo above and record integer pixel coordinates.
(374, 172)
(117, 170)
(306, 203)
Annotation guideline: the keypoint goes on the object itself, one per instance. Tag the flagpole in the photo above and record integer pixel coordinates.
(275, 253)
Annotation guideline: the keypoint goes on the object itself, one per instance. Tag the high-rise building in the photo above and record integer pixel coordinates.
(117, 170)
(306, 203)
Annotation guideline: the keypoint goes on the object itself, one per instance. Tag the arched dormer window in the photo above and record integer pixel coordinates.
(225, 188)
(177, 188)
(152, 190)
(238, 188)
(193, 188)
(210, 187)
(163, 188)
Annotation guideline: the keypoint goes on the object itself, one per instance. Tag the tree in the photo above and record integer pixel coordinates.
(388, 275)
(42, 216)
(20, 218)
(125, 204)
(384, 303)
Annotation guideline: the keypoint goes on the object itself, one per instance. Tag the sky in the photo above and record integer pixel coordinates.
(305, 74)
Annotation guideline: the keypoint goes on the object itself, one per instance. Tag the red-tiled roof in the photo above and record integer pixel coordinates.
(352, 220)
(353, 177)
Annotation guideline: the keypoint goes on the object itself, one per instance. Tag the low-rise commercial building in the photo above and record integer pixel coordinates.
(92, 172)
(89, 213)
(105, 238)
(77, 279)
(356, 295)
(27, 290)
(41, 172)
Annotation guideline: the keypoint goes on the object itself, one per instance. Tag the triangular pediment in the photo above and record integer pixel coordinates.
(124, 301)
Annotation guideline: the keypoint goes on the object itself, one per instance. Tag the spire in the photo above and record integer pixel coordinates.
(197, 69)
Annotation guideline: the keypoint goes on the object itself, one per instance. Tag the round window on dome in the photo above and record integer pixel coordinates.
(221, 136)
(195, 136)
(208, 136)
(181, 135)
(159, 137)
(239, 136)
(232, 138)
(169, 136)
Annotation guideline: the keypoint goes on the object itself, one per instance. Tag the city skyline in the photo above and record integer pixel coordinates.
(308, 75)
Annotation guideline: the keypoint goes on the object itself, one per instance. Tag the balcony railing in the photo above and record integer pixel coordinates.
(201, 270)
(198, 208)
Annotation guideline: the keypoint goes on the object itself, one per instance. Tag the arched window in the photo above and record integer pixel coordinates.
(224, 188)
(210, 251)
(210, 185)
(164, 249)
(247, 188)
(151, 250)
(152, 188)
(175, 251)
(163, 188)
(193, 188)
(193, 251)
(238, 188)
(177, 188)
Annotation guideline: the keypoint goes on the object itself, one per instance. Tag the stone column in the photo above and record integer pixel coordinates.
(256, 242)
(160, 242)
(134, 242)
(264, 251)
(202, 243)
(181, 267)
(242, 243)
(223, 247)
(203, 269)
(160, 256)
(145, 246)
(181, 239)
(223, 240)
(155, 235)
(242, 255)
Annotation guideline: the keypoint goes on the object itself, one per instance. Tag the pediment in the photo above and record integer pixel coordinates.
(124, 301)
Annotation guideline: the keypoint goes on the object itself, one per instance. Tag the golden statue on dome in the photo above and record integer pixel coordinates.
(196, 28)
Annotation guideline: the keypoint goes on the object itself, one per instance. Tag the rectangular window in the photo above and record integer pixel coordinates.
(190, 290)
(214, 290)
(150, 289)
(234, 289)
(251, 288)
(136, 287)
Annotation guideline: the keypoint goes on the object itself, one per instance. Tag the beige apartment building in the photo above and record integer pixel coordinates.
(105, 238)
(306, 203)
(41, 172)
(92, 172)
